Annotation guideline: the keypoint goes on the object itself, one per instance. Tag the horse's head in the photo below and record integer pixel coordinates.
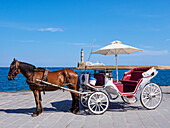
(14, 70)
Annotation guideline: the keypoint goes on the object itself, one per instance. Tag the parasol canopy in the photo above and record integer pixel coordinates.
(116, 47)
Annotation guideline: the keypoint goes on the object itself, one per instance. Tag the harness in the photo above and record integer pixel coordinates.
(44, 78)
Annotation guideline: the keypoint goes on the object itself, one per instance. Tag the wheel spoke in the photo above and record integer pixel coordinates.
(99, 108)
(157, 93)
(93, 106)
(156, 90)
(156, 100)
(145, 97)
(92, 103)
(147, 101)
(150, 88)
(93, 100)
(96, 108)
(103, 104)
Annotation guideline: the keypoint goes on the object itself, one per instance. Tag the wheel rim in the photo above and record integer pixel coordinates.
(83, 100)
(151, 96)
(98, 102)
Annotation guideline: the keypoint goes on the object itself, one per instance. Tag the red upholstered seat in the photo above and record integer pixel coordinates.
(100, 79)
(130, 82)
(132, 77)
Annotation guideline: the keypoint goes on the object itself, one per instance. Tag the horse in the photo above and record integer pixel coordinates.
(61, 77)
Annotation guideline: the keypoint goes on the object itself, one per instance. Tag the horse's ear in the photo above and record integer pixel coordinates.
(14, 60)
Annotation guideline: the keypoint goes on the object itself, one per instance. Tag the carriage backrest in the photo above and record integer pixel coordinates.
(135, 73)
(100, 78)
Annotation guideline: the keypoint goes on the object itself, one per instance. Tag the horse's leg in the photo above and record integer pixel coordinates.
(76, 108)
(73, 103)
(37, 99)
(75, 100)
(40, 102)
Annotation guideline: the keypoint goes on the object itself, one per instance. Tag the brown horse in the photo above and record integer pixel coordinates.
(61, 77)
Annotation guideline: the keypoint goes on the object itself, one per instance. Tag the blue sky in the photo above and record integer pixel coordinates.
(52, 33)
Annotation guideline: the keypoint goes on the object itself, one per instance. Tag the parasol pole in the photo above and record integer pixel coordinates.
(116, 68)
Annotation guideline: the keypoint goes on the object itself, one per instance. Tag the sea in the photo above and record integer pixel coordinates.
(19, 84)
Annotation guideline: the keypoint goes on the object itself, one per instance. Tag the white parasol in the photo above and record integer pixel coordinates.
(116, 47)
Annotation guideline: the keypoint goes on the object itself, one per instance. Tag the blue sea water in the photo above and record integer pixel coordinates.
(162, 78)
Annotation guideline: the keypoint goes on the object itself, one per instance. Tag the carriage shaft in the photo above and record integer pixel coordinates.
(67, 89)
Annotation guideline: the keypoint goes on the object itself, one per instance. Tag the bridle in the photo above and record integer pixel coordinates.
(16, 71)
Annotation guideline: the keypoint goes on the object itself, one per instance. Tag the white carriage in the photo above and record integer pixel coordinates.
(135, 85)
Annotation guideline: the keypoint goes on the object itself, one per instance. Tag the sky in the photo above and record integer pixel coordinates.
(53, 32)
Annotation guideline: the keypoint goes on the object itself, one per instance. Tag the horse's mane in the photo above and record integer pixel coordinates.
(27, 65)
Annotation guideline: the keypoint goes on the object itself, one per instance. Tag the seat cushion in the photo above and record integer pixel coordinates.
(129, 82)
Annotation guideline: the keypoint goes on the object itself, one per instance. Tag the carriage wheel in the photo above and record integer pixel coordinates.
(98, 102)
(129, 100)
(83, 100)
(151, 96)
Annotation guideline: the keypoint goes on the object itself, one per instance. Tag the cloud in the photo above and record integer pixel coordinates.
(22, 27)
(153, 53)
(51, 29)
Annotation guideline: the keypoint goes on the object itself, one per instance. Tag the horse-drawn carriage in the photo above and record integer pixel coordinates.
(99, 88)
(134, 85)
(96, 91)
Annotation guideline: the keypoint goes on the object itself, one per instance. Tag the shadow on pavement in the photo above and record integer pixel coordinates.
(59, 106)
(65, 105)
(123, 107)
(166, 92)
(27, 111)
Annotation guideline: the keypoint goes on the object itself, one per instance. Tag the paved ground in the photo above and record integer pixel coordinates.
(16, 109)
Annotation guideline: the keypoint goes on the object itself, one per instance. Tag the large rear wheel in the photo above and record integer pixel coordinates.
(151, 96)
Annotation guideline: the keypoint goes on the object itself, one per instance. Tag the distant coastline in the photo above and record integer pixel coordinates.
(122, 67)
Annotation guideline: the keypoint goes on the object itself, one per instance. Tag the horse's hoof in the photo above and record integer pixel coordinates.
(75, 111)
(70, 110)
(34, 115)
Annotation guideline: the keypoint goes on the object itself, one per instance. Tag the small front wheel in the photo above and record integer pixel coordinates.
(98, 102)
(151, 96)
